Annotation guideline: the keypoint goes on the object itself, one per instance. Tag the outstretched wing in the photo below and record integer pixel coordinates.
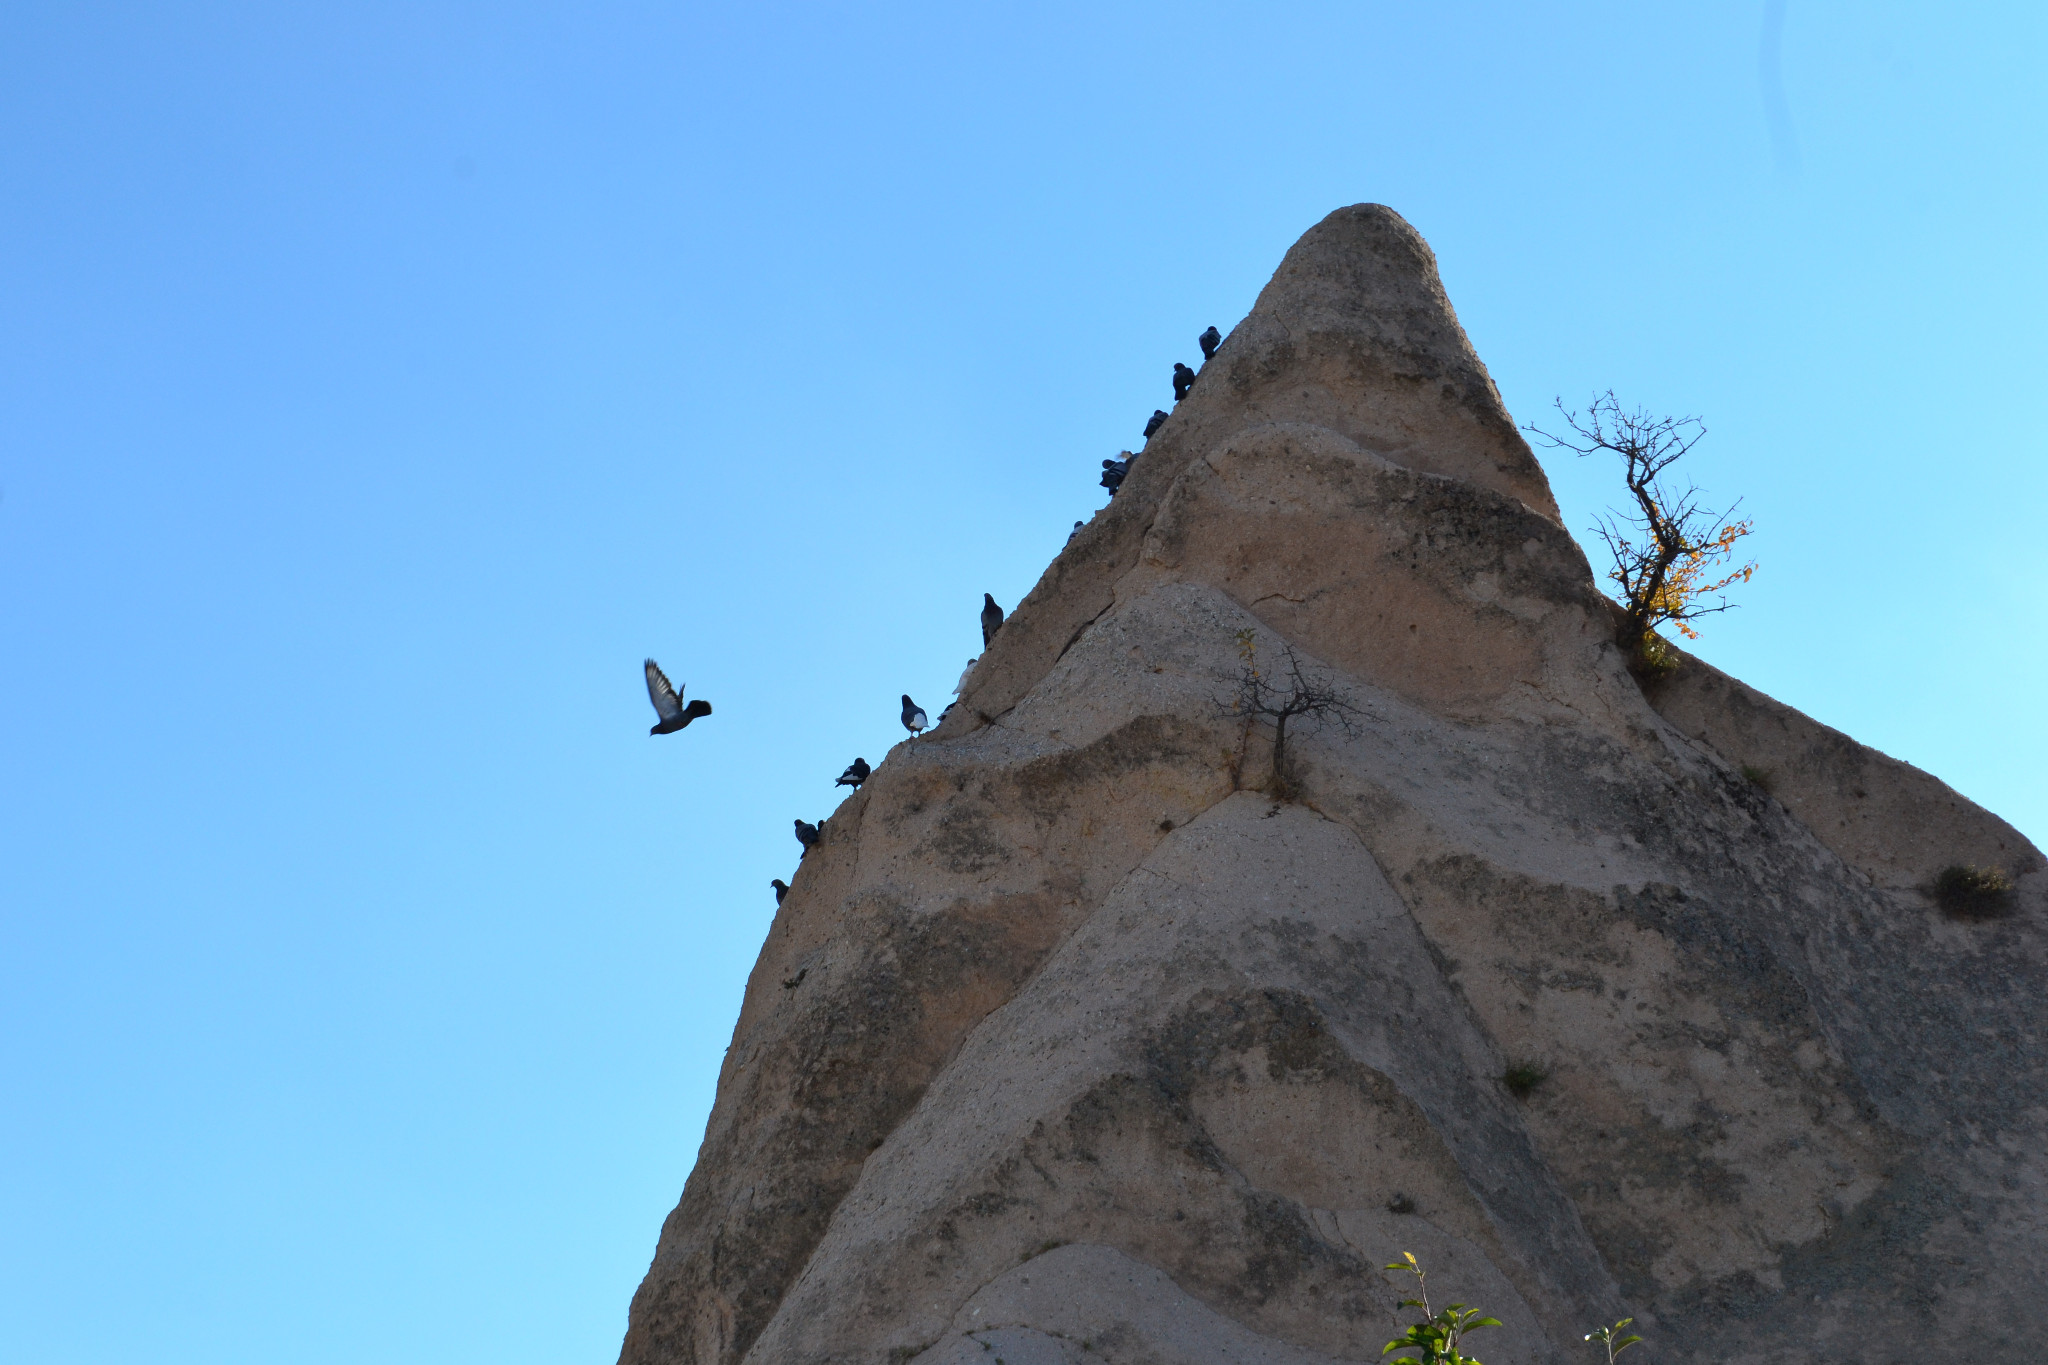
(668, 704)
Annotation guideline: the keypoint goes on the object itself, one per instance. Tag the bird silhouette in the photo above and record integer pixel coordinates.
(668, 703)
(991, 619)
(1209, 341)
(1113, 474)
(809, 835)
(1183, 380)
(855, 774)
(781, 889)
(913, 716)
(1075, 532)
(1158, 421)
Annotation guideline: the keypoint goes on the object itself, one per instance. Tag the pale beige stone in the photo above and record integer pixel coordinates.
(1101, 1056)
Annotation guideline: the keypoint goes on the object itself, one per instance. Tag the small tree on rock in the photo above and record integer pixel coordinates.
(1668, 551)
(1281, 695)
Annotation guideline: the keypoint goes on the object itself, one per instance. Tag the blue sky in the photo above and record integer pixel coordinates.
(380, 382)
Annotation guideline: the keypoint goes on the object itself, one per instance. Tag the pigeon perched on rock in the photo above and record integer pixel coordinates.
(1158, 421)
(668, 703)
(1113, 472)
(1183, 380)
(1209, 341)
(809, 835)
(991, 619)
(1075, 532)
(781, 889)
(913, 716)
(855, 774)
(961, 686)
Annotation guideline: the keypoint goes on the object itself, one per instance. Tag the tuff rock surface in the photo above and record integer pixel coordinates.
(1101, 1053)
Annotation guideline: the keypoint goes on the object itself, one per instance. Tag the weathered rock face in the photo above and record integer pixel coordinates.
(1097, 1052)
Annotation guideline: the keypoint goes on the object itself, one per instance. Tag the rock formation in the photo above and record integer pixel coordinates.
(1075, 1042)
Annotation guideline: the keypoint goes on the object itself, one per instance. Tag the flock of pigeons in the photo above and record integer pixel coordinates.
(671, 714)
(1114, 471)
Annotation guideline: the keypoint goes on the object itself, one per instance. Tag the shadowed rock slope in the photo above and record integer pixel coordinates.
(1097, 1052)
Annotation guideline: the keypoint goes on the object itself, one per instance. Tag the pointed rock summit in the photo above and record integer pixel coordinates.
(1117, 1046)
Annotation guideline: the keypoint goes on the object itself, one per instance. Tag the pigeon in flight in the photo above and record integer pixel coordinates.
(913, 715)
(991, 619)
(1183, 380)
(1158, 421)
(781, 889)
(809, 835)
(668, 703)
(855, 774)
(1210, 340)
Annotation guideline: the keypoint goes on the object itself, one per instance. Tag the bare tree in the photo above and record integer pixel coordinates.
(1280, 696)
(1665, 549)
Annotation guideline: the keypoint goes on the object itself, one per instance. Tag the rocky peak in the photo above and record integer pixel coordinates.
(1082, 1039)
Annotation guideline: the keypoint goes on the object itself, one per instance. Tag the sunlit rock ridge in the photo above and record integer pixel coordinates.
(1098, 1052)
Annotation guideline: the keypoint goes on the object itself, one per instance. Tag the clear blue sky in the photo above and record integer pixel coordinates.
(380, 382)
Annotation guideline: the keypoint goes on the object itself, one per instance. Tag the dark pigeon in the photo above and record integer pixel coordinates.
(1076, 531)
(668, 703)
(809, 835)
(1210, 340)
(781, 889)
(1158, 421)
(855, 774)
(991, 619)
(1183, 380)
(913, 716)
(1113, 472)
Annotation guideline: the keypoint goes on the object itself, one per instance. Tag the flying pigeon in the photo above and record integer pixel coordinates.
(991, 619)
(781, 889)
(1183, 380)
(1158, 421)
(668, 703)
(913, 715)
(1210, 340)
(809, 835)
(855, 774)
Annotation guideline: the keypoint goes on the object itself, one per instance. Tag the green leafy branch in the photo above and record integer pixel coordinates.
(1611, 1338)
(1438, 1334)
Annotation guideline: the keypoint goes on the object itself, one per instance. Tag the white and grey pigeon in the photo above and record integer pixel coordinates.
(668, 703)
(856, 773)
(961, 686)
(913, 716)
